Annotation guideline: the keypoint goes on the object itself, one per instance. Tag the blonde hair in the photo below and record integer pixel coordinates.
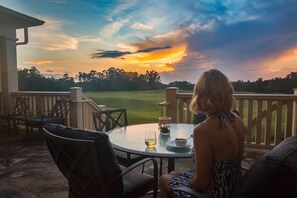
(213, 92)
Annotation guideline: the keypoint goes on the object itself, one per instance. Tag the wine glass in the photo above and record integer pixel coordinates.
(150, 138)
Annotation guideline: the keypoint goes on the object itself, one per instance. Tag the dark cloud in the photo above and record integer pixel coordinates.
(272, 31)
(109, 54)
(153, 49)
(119, 54)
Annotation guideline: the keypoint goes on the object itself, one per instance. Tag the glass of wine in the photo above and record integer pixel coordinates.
(150, 138)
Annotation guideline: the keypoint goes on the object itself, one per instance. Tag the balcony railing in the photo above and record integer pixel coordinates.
(80, 111)
(268, 118)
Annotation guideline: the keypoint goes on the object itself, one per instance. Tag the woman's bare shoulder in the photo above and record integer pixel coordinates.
(204, 128)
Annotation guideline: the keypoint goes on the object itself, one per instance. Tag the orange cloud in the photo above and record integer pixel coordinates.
(160, 61)
(41, 62)
(279, 65)
(285, 62)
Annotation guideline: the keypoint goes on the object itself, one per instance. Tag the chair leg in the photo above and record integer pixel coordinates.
(155, 188)
(8, 125)
(14, 124)
(161, 165)
(142, 169)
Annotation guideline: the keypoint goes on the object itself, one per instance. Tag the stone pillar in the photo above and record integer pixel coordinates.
(171, 109)
(294, 131)
(76, 110)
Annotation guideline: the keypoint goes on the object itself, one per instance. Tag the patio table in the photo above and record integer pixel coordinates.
(131, 139)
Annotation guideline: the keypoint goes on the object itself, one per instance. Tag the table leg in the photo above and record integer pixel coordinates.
(171, 164)
(161, 165)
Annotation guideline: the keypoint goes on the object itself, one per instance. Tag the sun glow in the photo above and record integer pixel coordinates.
(160, 61)
(284, 63)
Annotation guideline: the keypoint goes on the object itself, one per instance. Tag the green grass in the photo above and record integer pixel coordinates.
(142, 106)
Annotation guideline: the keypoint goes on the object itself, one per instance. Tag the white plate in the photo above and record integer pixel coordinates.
(173, 144)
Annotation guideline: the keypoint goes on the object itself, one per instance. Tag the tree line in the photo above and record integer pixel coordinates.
(115, 79)
(275, 85)
(112, 79)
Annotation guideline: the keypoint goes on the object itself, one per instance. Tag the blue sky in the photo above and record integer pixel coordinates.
(179, 39)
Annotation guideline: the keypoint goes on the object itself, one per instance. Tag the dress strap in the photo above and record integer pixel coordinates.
(222, 119)
(223, 122)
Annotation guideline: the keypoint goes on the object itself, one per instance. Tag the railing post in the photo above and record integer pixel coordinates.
(39, 105)
(171, 109)
(294, 132)
(76, 113)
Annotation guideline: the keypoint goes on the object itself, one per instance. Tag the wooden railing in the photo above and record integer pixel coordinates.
(88, 107)
(268, 118)
(42, 101)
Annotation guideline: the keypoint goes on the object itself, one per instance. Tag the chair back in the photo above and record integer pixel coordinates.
(21, 106)
(61, 109)
(110, 119)
(272, 175)
(85, 159)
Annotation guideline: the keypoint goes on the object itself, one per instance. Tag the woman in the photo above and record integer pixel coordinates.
(218, 141)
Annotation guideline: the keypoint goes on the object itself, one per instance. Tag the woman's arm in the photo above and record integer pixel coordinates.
(203, 157)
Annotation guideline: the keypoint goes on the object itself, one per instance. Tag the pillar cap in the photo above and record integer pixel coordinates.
(75, 88)
(172, 88)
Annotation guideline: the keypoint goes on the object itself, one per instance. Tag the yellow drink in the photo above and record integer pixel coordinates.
(150, 142)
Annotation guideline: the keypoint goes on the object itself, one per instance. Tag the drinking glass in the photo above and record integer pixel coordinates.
(150, 138)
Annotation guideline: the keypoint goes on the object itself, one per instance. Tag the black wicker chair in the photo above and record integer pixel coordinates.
(87, 160)
(18, 114)
(110, 119)
(56, 116)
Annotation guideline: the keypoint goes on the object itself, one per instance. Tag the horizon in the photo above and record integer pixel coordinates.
(178, 39)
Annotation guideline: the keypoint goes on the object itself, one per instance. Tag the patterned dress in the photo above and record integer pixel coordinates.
(225, 175)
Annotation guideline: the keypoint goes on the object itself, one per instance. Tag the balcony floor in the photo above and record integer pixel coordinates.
(27, 169)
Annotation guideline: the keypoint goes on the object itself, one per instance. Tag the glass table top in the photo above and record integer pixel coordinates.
(132, 139)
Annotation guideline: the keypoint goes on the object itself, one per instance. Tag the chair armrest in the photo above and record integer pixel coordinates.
(244, 168)
(47, 114)
(141, 162)
(135, 165)
(190, 191)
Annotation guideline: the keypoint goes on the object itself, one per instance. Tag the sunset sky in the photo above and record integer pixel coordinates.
(246, 39)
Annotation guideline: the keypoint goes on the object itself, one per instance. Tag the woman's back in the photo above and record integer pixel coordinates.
(225, 134)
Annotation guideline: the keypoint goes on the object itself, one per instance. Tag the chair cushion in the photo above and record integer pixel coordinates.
(17, 117)
(39, 121)
(122, 157)
(134, 181)
(107, 161)
(272, 175)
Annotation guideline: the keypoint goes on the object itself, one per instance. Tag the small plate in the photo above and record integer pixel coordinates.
(173, 144)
